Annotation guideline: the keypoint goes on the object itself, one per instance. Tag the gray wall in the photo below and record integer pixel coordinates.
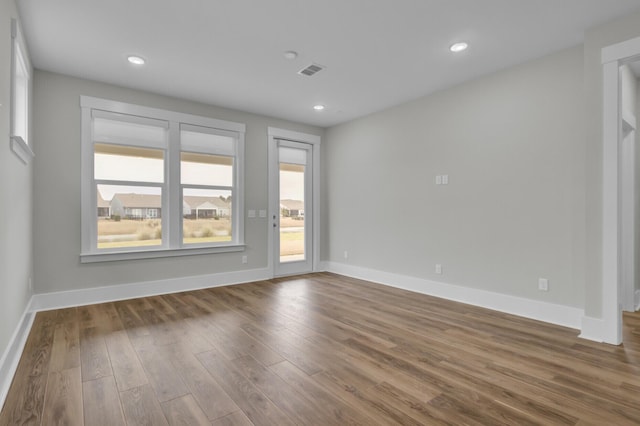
(512, 144)
(57, 189)
(16, 195)
(595, 39)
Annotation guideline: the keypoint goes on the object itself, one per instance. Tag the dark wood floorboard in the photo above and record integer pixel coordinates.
(319, 349)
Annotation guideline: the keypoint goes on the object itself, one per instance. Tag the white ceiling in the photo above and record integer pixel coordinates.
(378, 53)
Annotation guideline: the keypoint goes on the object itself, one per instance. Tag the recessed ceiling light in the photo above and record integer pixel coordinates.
(318, 107)
(290, 54)
(136, 60)
(458, 47)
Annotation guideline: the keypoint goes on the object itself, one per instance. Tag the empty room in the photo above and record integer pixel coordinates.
(285, 212)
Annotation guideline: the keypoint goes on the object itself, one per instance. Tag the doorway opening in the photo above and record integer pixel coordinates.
(619, 214)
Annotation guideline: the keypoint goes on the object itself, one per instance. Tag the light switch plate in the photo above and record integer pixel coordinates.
(251, 213)
(543, 284)
(263, 213)
(438, 180)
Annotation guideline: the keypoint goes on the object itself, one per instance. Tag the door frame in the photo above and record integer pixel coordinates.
(628, 212)
(275, 134)
(612, 58)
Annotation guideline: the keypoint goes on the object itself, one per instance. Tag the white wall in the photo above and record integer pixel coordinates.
(16, 250)
(512, 144)
(57, 189)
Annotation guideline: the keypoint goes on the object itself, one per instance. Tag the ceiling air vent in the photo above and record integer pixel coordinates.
(311, 70)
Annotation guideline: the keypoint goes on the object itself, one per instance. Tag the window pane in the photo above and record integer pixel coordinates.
(129, 216)
(206, 216)
(291, 212)
(206, 169)
(116, 162)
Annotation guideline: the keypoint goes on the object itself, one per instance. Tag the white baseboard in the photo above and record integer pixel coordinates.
(592, 329)
(566, 316)
(322, 266)
(637, 300)
(90, 296)
(11, 355)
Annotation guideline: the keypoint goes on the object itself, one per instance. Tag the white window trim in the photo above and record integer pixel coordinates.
(158, 253)
(172, 221)
(19, 145)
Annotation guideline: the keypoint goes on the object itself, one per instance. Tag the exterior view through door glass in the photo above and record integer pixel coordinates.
(291, 212)
(294, 187)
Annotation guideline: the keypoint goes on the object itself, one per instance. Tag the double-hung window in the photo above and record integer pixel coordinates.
(207, 159)
(129, 177)
(158, 183)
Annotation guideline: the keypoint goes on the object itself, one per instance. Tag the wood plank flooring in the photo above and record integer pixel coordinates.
(319, 349)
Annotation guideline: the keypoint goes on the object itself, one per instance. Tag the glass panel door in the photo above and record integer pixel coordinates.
(293, 224)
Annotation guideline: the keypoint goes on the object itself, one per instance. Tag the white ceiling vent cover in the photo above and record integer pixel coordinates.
(311, 70)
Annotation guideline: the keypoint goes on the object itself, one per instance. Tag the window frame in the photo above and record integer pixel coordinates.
(172, 241)
(20, 56)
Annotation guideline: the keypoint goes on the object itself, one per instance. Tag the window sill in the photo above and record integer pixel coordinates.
(21, 149)
(158, 253)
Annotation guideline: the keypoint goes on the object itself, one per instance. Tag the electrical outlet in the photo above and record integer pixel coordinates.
(346, 254)
(251, 213)
(438, 180)
(244, 259)
(445, 179)
(543, 284)
(438, 269)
